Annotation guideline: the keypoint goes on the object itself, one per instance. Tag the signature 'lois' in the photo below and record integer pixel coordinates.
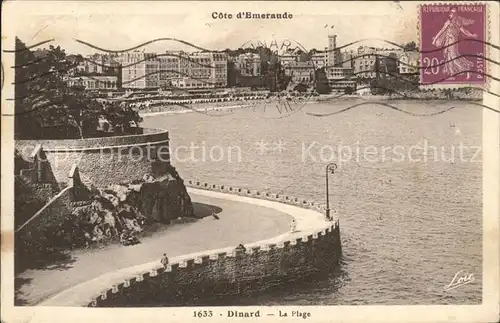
(448, 37)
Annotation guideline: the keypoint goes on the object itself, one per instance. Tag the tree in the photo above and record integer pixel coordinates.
(410, 46)
(322, 85)
(231, 73)
(24, 58)
(122, 117)
(301, 88)
(264, 53)
(304, 57)
(44, 98)
(313, 51)
(388, 64)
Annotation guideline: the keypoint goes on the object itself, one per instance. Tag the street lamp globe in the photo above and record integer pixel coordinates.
(330, 168)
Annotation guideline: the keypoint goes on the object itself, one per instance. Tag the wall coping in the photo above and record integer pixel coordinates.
(150, 136)
(99, 147)
(303, 211)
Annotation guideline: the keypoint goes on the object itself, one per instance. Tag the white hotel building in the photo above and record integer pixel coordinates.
(174, 68)
(320, 59)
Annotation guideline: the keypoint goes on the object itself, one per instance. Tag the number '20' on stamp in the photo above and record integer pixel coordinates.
(452, 44)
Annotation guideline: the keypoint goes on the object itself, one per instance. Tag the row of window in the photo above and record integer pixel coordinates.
(201, 85)
(168, 60)
(403, 69)
(94, 84)
(370, 62)
(302, 79)
(340, 74)
(168, 66)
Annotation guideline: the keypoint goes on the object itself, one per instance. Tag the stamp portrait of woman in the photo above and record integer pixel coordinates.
(448, 38)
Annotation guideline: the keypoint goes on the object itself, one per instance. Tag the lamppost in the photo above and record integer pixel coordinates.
(330, 168)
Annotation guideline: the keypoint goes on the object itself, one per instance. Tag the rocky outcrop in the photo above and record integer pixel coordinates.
(158, 200)
(92, 216)
(128, 208)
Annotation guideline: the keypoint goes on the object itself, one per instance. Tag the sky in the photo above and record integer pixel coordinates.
(122, 25)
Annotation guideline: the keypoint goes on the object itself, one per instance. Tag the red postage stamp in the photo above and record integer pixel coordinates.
(452, 44)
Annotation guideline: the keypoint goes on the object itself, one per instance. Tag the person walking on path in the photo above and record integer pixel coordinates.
(293, 226)
(164, 260)
(241, 248)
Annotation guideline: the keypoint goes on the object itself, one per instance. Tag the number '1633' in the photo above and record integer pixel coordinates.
(202, 314)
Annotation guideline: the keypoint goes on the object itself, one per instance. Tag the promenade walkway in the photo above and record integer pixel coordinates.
(242, 220)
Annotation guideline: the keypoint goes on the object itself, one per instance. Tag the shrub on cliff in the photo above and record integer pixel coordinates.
(124, 119)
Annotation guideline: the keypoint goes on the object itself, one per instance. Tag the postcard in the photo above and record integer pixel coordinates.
(211, 161)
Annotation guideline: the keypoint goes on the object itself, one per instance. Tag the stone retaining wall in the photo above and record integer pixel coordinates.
(30, 196)
(107, 160)
(230, 271)
(54, 212)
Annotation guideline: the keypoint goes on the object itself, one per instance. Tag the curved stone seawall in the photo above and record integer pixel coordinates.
(283, 198)
(117, 159)
(314, 249)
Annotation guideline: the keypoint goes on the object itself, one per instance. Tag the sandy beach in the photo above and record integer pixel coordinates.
(197, 107)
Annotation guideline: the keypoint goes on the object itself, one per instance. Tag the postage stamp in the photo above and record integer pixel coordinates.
(452, 43)
(260, 160)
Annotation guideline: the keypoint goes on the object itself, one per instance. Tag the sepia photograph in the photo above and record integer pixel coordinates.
(265, 160)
